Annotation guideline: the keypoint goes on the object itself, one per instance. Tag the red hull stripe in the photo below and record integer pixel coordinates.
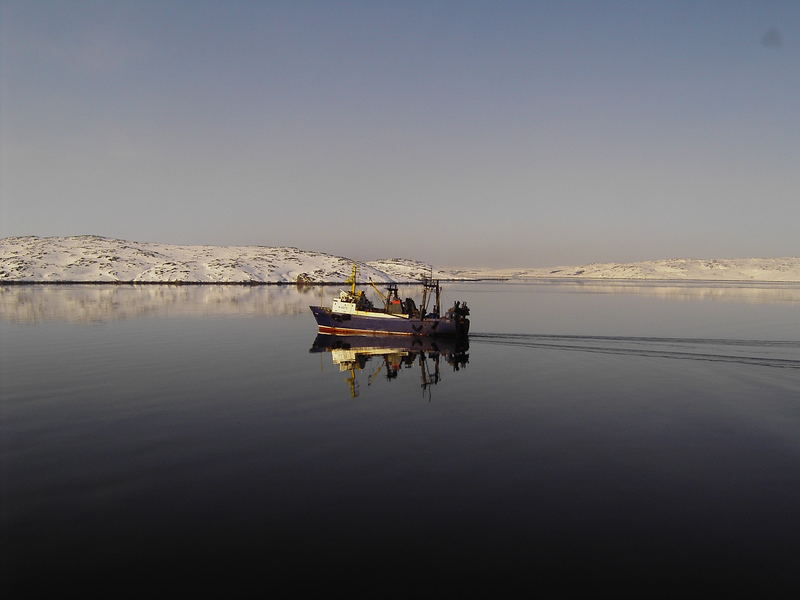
(325, 329)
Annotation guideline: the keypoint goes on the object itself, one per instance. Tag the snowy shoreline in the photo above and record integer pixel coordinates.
(232, 283)
(609, 280)
(90, 259)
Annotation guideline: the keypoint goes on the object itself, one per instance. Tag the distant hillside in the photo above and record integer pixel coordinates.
(726, 269)
(94, 258)
(404, 269)
(100, 259)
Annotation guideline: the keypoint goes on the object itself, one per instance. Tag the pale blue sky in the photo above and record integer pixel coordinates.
(473, 133)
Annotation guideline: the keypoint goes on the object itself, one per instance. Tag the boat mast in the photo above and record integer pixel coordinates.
(352, 278)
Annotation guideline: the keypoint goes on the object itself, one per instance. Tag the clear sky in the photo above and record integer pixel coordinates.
(493, 133)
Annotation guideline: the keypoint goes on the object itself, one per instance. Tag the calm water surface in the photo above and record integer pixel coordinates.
(601, 432)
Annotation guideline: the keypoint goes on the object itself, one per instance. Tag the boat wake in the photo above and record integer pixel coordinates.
(764, 353)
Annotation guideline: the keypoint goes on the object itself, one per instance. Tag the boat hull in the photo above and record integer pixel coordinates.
(349, 324)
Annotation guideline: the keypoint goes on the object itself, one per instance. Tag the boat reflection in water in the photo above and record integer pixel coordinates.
(385, 357)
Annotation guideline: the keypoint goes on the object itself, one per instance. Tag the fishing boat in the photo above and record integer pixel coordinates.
(352, 313)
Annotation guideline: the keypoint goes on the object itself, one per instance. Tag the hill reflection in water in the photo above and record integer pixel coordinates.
(107, 302)
(97, 303)
(724, 291)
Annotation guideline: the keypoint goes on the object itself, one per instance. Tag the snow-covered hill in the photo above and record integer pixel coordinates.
(100, 259)
(94, 258)
(404, 269)
(727, 269)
